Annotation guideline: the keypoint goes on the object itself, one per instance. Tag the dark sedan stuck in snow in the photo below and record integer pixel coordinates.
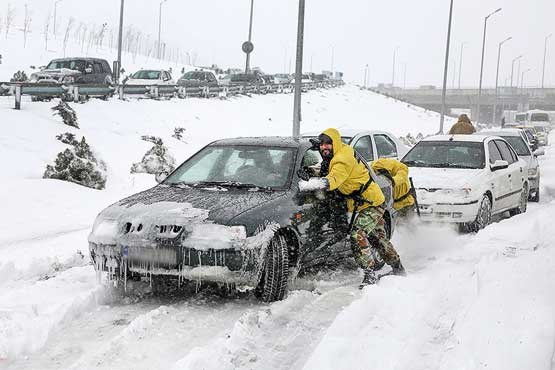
(232, 212)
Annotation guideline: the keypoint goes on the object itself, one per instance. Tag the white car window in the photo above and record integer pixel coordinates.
(494, 153)
(505, 151)
(364, 147)
(385, 146)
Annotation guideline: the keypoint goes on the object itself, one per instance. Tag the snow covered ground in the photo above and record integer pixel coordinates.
(469, 302)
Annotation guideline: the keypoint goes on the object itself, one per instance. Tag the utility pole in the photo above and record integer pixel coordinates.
(55, 16)
(160, 25)
(248, 61)
(298, 73)
(544, 55)
(482, 63)
(120, 38)
(512, 70)
(365, 75)
(497, 78)
(460, 63)
(393, 77)
(445, 71)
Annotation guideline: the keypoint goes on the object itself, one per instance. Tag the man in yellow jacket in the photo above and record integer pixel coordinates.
(344, 173)
(398, 173)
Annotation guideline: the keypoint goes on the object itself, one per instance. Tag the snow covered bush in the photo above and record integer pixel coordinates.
(77, 164)
(19, 76)
(67, 113)
(156, 160)
(178, 133)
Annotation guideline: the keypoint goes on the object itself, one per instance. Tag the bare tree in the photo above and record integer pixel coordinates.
(66, 34)
(46, 32)
(10, 14)
(26, 25)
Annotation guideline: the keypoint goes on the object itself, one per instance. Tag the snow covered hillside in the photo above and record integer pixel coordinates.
(469, 301)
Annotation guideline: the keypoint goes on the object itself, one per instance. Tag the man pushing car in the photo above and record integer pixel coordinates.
(341, 171)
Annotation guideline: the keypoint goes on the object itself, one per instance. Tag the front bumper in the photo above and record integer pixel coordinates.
(449, 212)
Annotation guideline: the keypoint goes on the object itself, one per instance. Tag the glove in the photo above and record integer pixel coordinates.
(314, 183)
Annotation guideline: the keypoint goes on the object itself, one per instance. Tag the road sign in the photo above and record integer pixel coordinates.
(247, 47)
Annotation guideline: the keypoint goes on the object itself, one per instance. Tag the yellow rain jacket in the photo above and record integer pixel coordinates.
(348, 175)
(401, 185)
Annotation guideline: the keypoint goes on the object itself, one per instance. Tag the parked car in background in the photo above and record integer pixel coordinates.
(75, 70)
(231, 213)
(305, 79)
(370, 144)
(282, 78)
(198, 79)
(516, 137)
(539, 132)
(466, 179)
(150, 77)
(246, 79)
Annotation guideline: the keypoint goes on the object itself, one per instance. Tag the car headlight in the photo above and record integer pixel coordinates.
(532, 172)
(238, 232)
(68, 80)
(104, 231)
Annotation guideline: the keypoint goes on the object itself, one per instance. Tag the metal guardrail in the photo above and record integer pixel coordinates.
(80, 92)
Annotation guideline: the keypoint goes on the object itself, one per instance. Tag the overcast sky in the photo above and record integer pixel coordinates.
(359, 31)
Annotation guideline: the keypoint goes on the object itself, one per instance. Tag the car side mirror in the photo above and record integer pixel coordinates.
(539, 152)
(88, 70)
(161, 176)
(499, 165)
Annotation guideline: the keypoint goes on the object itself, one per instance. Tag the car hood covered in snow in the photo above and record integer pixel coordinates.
(56, 74)
(442, 178)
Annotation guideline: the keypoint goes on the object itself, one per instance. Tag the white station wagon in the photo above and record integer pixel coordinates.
(465, 179)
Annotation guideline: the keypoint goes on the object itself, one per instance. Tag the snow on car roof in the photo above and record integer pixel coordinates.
(285, 141)
(350, 132)
(477, 138)
(503, 132)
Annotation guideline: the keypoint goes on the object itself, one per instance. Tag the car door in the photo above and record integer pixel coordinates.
(385, 146)
(364, 147)
(499, 179)
(212, 80)
(514, 174)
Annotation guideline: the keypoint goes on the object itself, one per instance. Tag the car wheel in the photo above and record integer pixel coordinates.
(273, 282)
(522, 205)
(483, 218)
(536, 197)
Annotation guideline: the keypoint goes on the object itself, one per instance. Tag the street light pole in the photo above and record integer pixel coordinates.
(120, 38)
(160, 25)
(544, 55)
(298, 73)
(248, 61)
(482, 63)
(522, 78)
(404, 76)
(497, 78)
(332, 60)
(513, 68)
(460, 63)
(518, 74)
(445, 70)
(365, 75)
(55, 16)
(393, 77)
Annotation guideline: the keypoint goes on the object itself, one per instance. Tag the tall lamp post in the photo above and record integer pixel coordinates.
(460, 63)
(497, 78)
(482, 63)
(513, 68)
(248, 61)
(365, 75)
(160, 25)
(522, 77)
(120, 38)
(393, 77)
(298, 73)
(55, 17)
(445, 70)
(544, 55)
(332, 60)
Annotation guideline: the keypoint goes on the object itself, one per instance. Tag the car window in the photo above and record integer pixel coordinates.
(97, 67)
(364, 147)
(494, 154)
(385, 146)
(446, 154)
(505, 151)
(518, 144)
(106, 67)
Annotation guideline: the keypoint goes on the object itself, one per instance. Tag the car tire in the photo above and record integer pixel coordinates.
(483, 217)
(536, 197)
(523, 204)
(275, 271)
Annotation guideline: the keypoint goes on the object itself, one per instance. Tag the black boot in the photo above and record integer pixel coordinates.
(370, 278)
(398, 269)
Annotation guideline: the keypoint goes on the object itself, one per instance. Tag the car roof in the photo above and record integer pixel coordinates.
(282, 141)
(503, 132)
(476, 138)
(77, 58)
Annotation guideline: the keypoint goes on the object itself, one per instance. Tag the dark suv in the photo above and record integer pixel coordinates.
(198, 79)
(75, 70)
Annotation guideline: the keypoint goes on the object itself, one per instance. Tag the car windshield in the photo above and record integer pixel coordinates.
(539, 117)
(242, 77)
(237, 166)
(193, 76)
(446, 154)
(147, 75)
(540, 129)
(518, 144)
(76, 65)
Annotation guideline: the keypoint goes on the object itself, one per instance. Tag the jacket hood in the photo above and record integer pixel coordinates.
(335, 137)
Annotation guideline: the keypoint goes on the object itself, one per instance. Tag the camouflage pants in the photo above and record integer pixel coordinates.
(369, 232)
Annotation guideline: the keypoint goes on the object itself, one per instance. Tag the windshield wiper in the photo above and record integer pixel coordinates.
(414, 163)
(232, 184)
